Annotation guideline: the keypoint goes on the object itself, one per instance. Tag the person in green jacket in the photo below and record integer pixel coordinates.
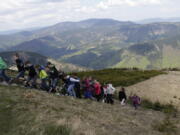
(3, 67)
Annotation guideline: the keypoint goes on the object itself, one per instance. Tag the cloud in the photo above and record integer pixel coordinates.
(51, 0)
(15, 14)
(32, 13)
(111, 3)
(44, 1)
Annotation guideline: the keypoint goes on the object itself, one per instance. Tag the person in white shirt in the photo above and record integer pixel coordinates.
(110, 93)
(71, 84)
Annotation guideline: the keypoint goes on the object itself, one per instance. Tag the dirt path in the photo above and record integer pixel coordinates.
(163, 88)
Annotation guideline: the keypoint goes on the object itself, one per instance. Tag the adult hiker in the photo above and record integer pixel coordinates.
(44, 77)
(20, 66)
(122, 96)
(136, 101)
(32, 75)
(102, 91)
(110, 93)
(53, 76)
(97, 90)
(71, 84)
(3, 67)
(77, 87)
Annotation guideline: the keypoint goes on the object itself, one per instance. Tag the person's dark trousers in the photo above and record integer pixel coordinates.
(98, 97)
(78, 90)
(109, 99)
(105, 98)
(3, 75)
(44, 85)
(33, 79)
(20, 74)
(53, 84)
(135, 106)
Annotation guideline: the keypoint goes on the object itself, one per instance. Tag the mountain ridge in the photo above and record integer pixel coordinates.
(101, 43)
(38, 59)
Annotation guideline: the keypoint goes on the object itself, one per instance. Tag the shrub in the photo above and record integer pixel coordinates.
(120, 77)
(157, 106)
(166, 126)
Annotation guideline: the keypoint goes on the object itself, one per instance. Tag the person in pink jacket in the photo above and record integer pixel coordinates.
(97, 90)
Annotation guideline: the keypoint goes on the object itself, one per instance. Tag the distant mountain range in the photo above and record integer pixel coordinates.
(157, 20)
(102, 43)
(14, 31)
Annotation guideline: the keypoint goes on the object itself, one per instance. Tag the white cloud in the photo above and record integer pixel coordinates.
(16, 14)
(111, 3)
(32, 13)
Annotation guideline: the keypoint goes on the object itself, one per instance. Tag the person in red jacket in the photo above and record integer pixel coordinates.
(88, 88)
(97, 90)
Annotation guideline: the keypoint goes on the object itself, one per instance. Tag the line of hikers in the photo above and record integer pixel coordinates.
(72, 86)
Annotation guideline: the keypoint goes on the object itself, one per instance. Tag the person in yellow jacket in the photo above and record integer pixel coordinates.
(42, 74)
(44, 77)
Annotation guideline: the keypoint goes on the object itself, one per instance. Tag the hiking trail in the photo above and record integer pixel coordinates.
(163, 88)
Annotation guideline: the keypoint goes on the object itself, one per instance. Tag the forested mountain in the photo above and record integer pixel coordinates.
(102, 43)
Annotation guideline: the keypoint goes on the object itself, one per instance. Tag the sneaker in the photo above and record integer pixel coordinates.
(10, 81)
(50, 90)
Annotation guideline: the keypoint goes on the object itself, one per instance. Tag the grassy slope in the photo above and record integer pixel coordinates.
(26, 112)
(134, 61)
(170, 57)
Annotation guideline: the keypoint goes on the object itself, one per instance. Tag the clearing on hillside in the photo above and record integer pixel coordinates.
(31, 112)
(163, 88)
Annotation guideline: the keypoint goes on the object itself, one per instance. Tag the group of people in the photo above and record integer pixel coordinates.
(50, 77)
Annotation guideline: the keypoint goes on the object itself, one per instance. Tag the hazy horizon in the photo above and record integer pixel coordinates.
(23, 14)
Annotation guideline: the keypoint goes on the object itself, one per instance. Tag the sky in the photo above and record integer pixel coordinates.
(20, 14)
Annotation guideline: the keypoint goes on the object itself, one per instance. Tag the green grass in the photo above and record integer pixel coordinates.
(7, 117)
(168, 109)
(166, 126)
(133, 61)
(57, 130)
(18, 114)
(5, 114)
(120, 77)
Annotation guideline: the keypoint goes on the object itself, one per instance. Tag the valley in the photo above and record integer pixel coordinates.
(102, 43)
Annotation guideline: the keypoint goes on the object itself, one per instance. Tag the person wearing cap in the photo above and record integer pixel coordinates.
(43, 77)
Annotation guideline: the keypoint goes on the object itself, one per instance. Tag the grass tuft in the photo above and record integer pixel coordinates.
(57, 130)
(166, 126)
(157, 106)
